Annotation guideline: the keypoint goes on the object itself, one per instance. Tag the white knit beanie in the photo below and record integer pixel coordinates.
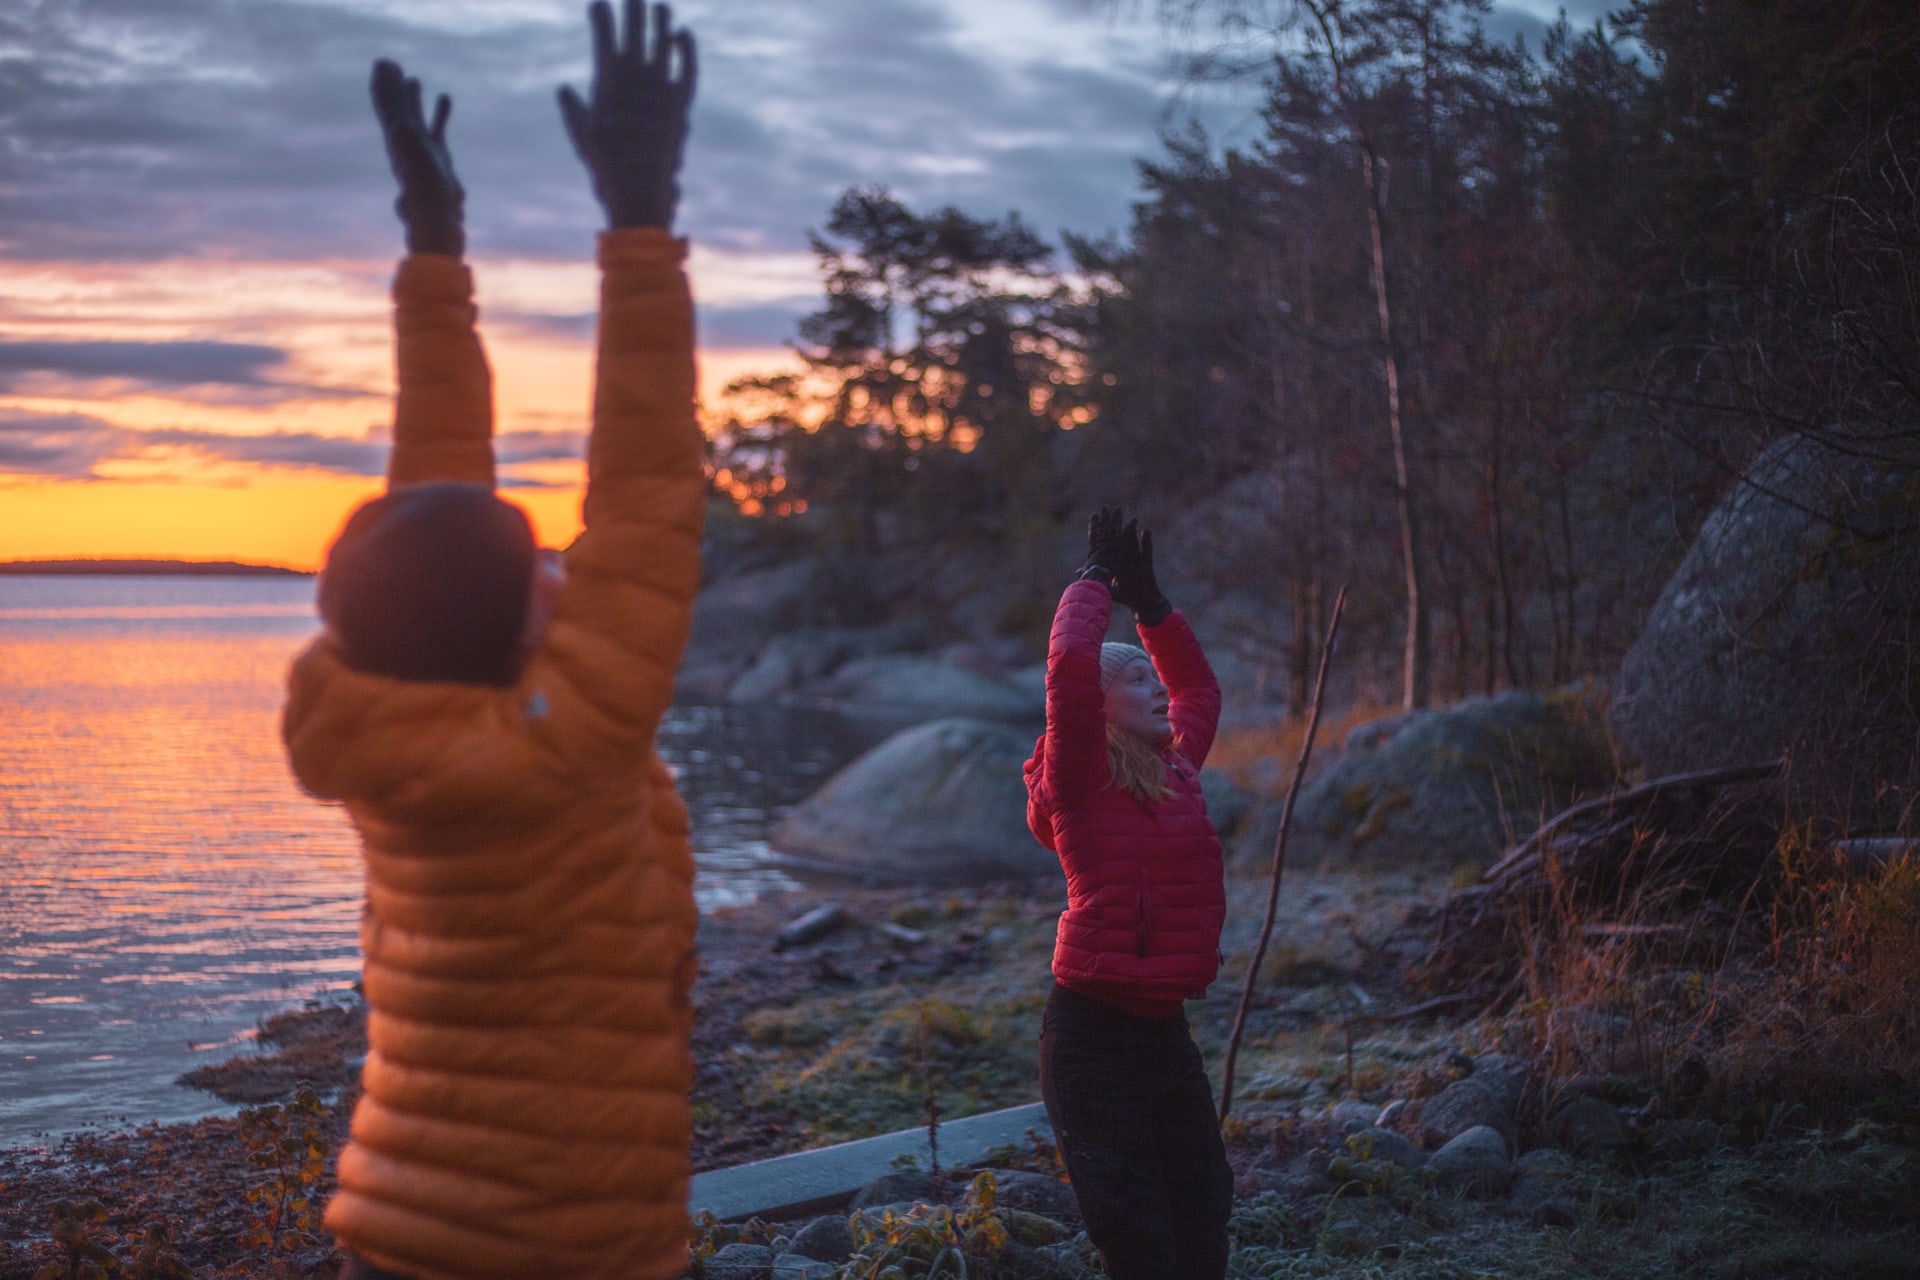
(1115, 656)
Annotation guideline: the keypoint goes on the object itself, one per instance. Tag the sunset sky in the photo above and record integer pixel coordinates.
(196, 226)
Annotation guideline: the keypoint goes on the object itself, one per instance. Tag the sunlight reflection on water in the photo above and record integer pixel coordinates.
(164, 884)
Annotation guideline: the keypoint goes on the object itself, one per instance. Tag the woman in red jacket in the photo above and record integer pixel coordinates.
(1114, 789)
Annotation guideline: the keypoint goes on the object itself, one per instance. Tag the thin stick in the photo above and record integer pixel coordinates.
(1280, 855)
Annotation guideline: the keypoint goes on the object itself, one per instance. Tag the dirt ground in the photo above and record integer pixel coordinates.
(926, 996)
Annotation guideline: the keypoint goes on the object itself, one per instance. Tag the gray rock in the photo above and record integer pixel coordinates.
(1490, 1073)
(1587, 1126)
(741, 1261)
(827, 1238)
(1377, 1159)
(1544, 1165)
(1386, 1146)
(1441, 788)
(902, 1185)
(1228, 803)
(1475, 1164)
(940, 803)
(732, 618)
(796, 1266)
(1035, 1193)
(916, 684)
(1539, 1175)
(1463, 1105)
(815, 924)
(1350, 1115)
(1788, 629)
(790, 659)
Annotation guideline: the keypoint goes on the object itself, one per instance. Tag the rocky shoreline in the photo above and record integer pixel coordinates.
(1367, 1140)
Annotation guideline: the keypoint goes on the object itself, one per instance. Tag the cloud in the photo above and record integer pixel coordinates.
(224, 371)
(76, 446)
(174, 364)
(68, 445)
(147, 129)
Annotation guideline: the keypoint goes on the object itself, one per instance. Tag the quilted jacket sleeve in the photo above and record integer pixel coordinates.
(1073, 754)
(1193, 692)
(443, 408)
(633, 574)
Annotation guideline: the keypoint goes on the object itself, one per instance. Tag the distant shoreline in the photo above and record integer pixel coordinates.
(145, 568)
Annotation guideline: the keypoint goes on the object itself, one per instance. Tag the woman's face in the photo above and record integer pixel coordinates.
(1137, 702)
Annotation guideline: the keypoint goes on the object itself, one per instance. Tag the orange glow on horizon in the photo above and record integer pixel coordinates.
(282, 518)
(191, 496)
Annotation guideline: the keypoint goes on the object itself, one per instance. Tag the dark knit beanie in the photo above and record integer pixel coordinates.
(431, 582)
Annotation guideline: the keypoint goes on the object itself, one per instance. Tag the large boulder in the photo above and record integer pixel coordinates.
(790, 659)
(914, 684)
(940, 803)
(1441, 787)
(1789, 629)
(732, 619)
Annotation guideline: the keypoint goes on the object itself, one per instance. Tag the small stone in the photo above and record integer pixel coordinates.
(1384, 1145)
(1543, 1164)
(1587, 1127)
(1350, 1114)
(1475, 1164)
(1035, 1193)
(796, 1266)
(1032, 1229)
(1490, 1073)
(1554, 1213)
(1462, 1105)
(900, 935)
(741, 1261)
(827, 1238)
(814, 925)
(902, 1184)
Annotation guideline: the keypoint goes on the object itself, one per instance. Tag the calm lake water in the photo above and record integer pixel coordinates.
(164, 883)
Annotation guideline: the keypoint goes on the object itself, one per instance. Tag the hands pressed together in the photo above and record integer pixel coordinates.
(629, 132)
(1120, 554)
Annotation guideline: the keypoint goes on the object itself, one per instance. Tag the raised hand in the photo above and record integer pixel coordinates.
(1135, 586)
(432, 203)
(632, 131)
(1113, 543)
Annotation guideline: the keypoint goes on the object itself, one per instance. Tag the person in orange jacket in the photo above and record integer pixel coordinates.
(487, 713)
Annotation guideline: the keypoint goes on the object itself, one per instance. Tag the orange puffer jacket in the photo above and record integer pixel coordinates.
(529, 927)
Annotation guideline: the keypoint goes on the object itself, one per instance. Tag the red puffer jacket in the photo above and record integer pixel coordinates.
(1145, 894)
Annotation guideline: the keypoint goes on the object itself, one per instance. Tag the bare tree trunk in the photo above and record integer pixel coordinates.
(1414, 669)
(1415, 690)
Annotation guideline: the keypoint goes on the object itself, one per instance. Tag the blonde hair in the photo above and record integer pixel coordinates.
(1137, 765)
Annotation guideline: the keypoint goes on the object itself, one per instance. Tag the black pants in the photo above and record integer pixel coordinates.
(1132, 1110)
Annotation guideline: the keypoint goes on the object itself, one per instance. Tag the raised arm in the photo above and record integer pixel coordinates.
(443, 407)
(633, 574)
(1073, 755)
(1192, 690)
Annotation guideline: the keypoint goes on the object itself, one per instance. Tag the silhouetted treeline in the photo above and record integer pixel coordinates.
(1480, 329)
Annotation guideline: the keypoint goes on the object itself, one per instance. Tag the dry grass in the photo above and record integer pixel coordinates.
(1241, 753)
(1801, 997)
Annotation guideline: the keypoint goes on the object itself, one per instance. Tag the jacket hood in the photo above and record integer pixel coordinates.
(410, 751)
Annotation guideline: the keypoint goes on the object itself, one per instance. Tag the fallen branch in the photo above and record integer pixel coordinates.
(1279, 856)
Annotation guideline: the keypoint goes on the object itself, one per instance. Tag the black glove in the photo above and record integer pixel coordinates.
(1112, 544)
(1135, 586)
(631, 133)
(431, 204)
